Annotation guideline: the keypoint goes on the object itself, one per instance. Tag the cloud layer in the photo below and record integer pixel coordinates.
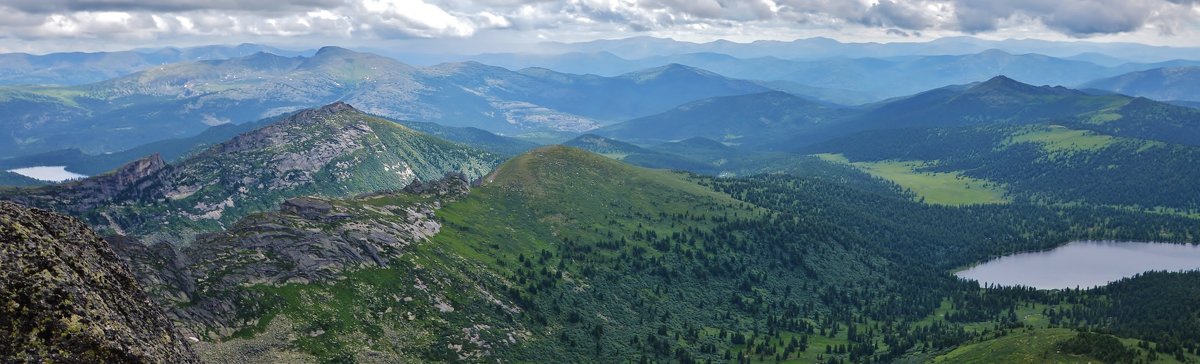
(33, 20)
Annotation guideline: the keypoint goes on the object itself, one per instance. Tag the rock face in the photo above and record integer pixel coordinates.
(454, 184)
(307, 240)
(66, 297)
(79, 196)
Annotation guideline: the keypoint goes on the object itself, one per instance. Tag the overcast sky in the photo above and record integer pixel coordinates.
(40, 26)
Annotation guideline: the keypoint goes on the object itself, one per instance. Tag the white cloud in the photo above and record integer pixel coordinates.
(183, 21)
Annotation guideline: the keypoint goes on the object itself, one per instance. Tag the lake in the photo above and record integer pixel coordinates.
(47, 173)
(1084, 264)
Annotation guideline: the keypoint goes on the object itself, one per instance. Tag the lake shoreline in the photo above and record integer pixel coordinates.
(1083, 264)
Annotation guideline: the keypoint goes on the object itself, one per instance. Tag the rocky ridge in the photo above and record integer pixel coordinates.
(333, 151)
(65, 297)
(307, 240)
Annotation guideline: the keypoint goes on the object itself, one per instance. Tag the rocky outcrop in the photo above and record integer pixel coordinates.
(66, 297)
(307, 240)
(83, 195)
(453, 185)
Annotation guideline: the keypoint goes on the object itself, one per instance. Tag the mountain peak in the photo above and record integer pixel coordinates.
(994, 53)
(538, 168)
(337, 107)
(1004, 85)
(333, 51)
(668, 70)
(1002, 80)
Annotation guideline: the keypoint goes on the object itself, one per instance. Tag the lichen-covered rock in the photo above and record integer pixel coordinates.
(66, 297)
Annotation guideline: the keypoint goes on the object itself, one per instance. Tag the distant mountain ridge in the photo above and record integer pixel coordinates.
(1004, 100)
(846, 78)
(1162, 84)
(822, 47)
(783, 122)
(743, 119)
(74, 68)
(180, 100)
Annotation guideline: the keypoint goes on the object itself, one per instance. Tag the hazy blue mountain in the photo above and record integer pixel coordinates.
(893, 77)
(743, 119)
(781, 121)
(636, 93)
(819, 47)
(1163, 84)
(1099, 59)
(73, 68)
(853, 80)
(474, 137)
(706, 157)
(180, 100)
(598, 63)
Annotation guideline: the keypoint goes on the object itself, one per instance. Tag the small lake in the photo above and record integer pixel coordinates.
(1084, 264)
(48, 173)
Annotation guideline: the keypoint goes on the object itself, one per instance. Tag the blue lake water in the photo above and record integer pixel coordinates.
(1084, 264)
(48, 173)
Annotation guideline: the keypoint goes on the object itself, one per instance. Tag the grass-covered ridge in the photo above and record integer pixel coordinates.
(1057, 138)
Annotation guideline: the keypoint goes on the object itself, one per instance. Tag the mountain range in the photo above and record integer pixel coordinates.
(1164, 84)
(783, 122)
(463, 274)
(745, 119)
(820, 47)
(181, 100)
(850, 80)
(240, 210)
(76, 68)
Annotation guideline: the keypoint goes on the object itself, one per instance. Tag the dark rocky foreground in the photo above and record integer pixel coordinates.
(66, 297)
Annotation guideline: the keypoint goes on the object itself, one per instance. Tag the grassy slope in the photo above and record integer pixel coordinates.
(12, 179)
(507, 238)
(1036, 346)
(607, 199)
(944, 188)
(1060, 139)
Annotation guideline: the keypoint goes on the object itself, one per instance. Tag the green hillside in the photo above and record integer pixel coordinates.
(1050, 164)
(567, 256)
(12, 179)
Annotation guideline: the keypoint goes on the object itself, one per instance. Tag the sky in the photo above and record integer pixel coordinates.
(41, 26)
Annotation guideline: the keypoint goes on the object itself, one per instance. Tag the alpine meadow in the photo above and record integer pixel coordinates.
(600, 181)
